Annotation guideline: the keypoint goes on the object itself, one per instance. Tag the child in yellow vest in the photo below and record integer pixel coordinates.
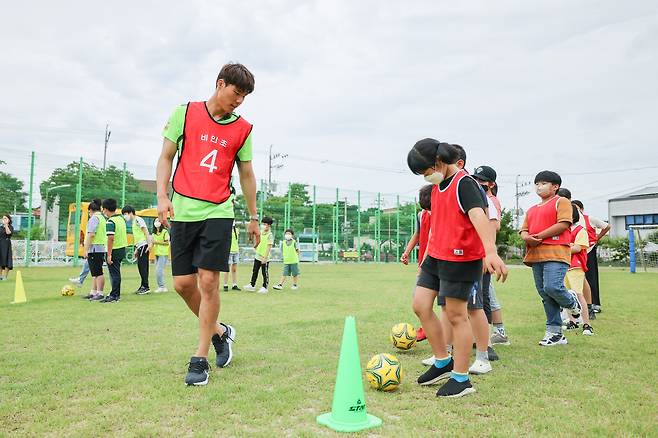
(233, 260)
(290, 251)
(262, 257)
(161, 246)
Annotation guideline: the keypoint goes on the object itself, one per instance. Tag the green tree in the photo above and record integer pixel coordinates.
(12, 195)
(96, 183)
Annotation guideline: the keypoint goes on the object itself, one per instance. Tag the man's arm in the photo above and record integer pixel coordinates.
(110, 245)
(492, 261)
(162, 177)
(248, 185)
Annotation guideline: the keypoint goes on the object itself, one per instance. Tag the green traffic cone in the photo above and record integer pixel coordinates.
(348, 410)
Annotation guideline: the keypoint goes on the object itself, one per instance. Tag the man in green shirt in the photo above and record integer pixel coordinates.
(117, 241)
(209, 139)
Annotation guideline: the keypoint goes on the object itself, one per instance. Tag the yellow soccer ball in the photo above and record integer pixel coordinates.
(384, 372)
(403, 336)
(68, 291)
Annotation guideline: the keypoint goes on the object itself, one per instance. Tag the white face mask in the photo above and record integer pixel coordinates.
(542, 188)
(126, 218)
(288, 236)
(434, 178)
(156, 224)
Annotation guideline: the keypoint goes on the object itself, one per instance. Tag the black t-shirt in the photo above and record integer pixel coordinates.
(470, 196)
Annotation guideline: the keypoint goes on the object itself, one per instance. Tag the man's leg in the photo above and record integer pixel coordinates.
(208, 309)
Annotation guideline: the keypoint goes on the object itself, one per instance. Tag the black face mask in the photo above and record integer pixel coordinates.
(485, 188)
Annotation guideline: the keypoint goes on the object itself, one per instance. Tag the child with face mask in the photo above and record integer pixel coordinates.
(460, 246)
(161, 246)
(547, 236)
(290, 251)
(262, 257)
(143, 244)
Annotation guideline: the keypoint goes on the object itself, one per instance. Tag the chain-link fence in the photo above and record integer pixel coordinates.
(45, 194)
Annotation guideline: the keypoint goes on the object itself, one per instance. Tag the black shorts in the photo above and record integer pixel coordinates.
(95, 261)
(465, 288)
(430, 277)
(203, 244)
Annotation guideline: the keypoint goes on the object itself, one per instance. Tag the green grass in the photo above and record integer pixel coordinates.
(73, 368)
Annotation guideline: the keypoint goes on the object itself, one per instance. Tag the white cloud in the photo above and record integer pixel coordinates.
(522, 85)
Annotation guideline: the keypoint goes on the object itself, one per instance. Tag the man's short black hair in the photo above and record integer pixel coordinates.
(109, 204)
(267, 220)
(238, 75)
(565, 193)
(128, 209)
(548, 176)
(425, 197)
(579, 204)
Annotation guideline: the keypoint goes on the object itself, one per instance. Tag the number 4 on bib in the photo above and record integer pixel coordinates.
(209, 161)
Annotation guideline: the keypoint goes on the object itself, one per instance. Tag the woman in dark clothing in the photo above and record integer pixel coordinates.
(6, 261)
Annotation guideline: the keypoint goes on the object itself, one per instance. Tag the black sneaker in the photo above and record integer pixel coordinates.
(197, 372)
(224, 345)
(596, 308)
(88, 296)
(592, 314)
(492, 354)
(226, 288)
(143, 291)
(434, 374)
(571, 325)
(110, 299)
(99, 297)
(235, 287)
(453, 388)
(588, 330)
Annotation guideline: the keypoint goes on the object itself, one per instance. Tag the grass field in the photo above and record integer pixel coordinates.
(73, 368)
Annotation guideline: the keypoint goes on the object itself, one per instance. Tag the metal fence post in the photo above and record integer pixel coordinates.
(28, 248)
(78, 216)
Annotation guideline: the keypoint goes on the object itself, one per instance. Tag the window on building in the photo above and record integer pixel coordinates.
(641, 219)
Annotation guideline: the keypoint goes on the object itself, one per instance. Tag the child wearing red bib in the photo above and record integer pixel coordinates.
(420, 237)
(460, 245)
(575, 278)
(546, 233)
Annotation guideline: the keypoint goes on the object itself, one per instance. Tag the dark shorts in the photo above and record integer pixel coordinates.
(95, 261)
(475, 298)
(430, 278)
(204, 244)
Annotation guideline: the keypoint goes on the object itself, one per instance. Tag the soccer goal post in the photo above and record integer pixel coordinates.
(643, 245)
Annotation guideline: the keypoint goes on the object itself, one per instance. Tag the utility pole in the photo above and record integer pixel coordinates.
(274, 165)
(107, 140)
(519, 194)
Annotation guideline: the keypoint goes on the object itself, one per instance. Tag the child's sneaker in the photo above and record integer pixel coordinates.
(420, 335)
(499, 339)
(161, 290)
(453, 388)
(235, 287)
(249, 288)
(429, 361)
(97, 297)
(277, 286)
(143, 291)
(553, 339)
(588, 330)
(491, 353)
(570, 325)
(577, 310)
(434, 374)
(262, 290)
(226, 288)
(75, 281)
(197, 372)
(480, 367)
(294, 287)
